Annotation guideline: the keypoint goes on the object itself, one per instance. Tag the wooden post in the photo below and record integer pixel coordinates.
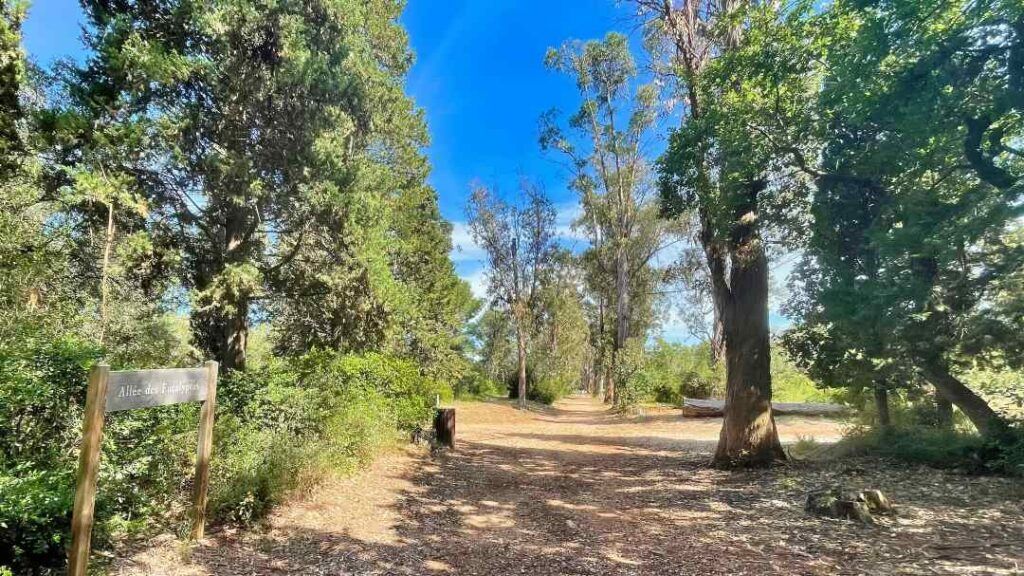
(444, 427)
(202, 481)
(88, 467)
(203, 453)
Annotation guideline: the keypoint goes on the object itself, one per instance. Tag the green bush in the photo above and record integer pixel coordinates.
(476, 384)
(34, 516)
(549, 389)
(291, 423)
(42, 389)
(942, 448)
(284, 425)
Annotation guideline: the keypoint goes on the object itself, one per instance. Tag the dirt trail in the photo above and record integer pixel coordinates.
(575, 490)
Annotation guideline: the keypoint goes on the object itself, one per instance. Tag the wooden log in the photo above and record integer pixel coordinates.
(701, 408)
(444, 427)
(88, 468)
(202, 482)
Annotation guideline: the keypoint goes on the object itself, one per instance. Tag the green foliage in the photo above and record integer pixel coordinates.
(42, 389)
(289, 424)
(943, 448)
(790, 384)
(678, 371)
(475, 383)
(918, 197)
(193, 176)
(33, 517)
(669, 372)
(12, 76)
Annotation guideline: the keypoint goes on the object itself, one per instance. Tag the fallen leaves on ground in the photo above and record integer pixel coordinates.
(576, 490)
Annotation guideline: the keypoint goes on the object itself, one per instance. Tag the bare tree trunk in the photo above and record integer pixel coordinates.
(521, 347)
(882, 407)
(236, 321)
(108, 244)
(609, 383)
(984, 418)
(749, 436)
(621, 316)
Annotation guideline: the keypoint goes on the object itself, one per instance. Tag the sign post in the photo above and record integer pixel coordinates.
(202, 483)
(127, 390)
(88, 467)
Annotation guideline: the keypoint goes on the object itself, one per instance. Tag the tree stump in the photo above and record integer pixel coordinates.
(444, 427)
(837, 502)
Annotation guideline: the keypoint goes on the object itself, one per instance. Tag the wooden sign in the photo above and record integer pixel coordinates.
(144, 388)
(113, 391)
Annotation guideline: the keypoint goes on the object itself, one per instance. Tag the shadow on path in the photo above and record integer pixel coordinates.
(546, 499)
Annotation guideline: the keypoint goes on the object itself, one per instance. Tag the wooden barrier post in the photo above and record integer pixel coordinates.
(88, 468)
(444, 427)
(202, 482)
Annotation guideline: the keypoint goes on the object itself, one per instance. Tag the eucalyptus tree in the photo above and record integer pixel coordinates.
(519, 243)
(743, 74)
(606, 153)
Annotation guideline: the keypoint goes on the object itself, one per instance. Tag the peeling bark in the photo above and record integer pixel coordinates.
(749, 436)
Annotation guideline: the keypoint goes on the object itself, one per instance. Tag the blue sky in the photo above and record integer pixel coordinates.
(479, 75)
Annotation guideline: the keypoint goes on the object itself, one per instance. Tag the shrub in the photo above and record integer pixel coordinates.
(42, 389)
(34, 516)
(292, 423)
(476, 384)
(549, 389)
(284, 425)
(942, 448)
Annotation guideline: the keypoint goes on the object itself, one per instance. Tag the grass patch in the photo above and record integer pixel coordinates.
(940, 448)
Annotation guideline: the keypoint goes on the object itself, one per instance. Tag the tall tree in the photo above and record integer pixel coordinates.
(273, 126)
(741, 84)
(12, 73)
(923, 159)
(612, 178)
(519, 242)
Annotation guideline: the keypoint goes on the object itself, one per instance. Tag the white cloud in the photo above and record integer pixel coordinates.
(477, 279)
(566, 215)
(464, 247)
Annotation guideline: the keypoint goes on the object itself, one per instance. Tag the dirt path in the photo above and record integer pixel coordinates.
(574, 490)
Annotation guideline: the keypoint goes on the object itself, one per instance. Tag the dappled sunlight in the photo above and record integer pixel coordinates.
(623, 500)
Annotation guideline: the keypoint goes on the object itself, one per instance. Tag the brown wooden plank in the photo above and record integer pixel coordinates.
(88, 468)
(707, 408)
(205, 449)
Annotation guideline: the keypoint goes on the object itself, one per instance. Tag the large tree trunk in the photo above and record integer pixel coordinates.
(236, 336)
(882, 407)
(749, 436)
(236, 321)
(609, 382)
(984, 418)
(717, 336)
